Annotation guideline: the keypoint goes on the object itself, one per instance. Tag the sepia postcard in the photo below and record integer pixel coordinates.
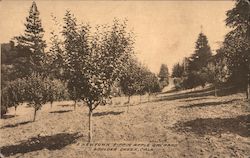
(125, 79)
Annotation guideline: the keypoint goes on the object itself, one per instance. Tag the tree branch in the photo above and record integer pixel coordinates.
(95, 106)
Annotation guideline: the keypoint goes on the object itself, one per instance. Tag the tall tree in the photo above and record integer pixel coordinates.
(31, 45)
(94, 61)
(109, 53)
(196, 76)
(201, 55)
(164, 75)
(76, 50)
(237, 44)
(178, 70)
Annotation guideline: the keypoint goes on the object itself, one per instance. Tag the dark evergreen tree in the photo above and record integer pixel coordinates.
(201, 54)
(178, 70)
(164, 75)
(31, 45)
(196, 74)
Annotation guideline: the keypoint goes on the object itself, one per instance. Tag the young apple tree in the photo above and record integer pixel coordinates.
(130, 80)
(108, 56)
(56, 90)
(152, 84)
(12, 94)
(217, 70)
(33, 89)
(75, 52)
(94, 62)
(36, 91)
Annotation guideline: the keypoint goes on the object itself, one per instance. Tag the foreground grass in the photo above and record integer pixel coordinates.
(195, 124)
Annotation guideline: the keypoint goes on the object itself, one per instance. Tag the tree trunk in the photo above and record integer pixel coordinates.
(128, 99)
(90, 124)
(248, 91)
(51, 104)
(75, 105)
(215, 91)
(34, 118)
(128, 103)
(15, 110)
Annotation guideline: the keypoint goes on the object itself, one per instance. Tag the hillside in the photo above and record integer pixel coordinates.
(185, 124)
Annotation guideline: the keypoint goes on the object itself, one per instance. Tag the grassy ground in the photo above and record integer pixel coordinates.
(189, 123)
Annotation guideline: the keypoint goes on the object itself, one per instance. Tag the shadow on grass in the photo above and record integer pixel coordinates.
(170, 91)
(61, 111)
(143, 102)
(194, 94)
(209, 104)
(54, 142)
(194, 99)
(16, 124)
(107, 113)
(210, 126)
(223, 91)
(7, 116)
(66, 105)
(131, 104)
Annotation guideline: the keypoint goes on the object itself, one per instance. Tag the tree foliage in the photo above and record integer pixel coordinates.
(201, 55)
(94, 61)
(197, 64)
(231, 63)
(30, 46)
(130, 81)
(217, 69)
(138, 80)
(12, 94)
(152, 84)
(178, 70)
(236, 45)
(57, 90)
(35, 89)
(164, 75)
(38, 90)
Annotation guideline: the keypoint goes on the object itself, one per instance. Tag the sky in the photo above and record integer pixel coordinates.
(165, 31)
